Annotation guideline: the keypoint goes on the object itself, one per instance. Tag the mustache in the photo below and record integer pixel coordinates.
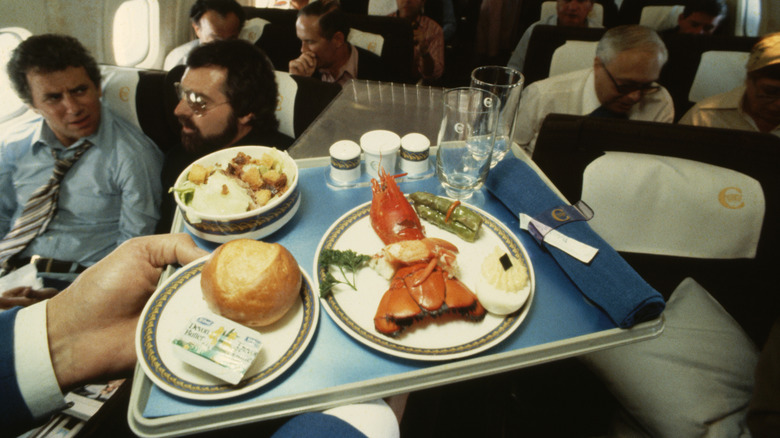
(186, 122)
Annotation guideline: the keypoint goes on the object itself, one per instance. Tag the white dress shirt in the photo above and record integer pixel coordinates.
(34, 370)
(575, 93)
(723, 111)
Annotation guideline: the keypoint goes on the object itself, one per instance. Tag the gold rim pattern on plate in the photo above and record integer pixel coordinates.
(151, 351)
(509, 321)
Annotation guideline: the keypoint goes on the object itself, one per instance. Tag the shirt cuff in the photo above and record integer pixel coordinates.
(34, 370)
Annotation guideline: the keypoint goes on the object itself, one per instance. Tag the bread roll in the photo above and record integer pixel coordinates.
(250, 282)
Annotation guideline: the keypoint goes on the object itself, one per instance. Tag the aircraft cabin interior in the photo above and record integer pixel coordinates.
(560, 392)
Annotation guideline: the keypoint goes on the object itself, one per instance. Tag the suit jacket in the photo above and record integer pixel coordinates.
(371, 67)
(15, 416)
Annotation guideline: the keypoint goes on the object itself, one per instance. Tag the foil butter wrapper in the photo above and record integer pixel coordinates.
(218, 346)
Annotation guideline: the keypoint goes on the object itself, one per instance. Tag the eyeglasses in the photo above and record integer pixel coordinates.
(623, 89)
(197, 102)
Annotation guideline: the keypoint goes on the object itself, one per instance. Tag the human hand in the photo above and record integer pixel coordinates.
(91, 324)
(25, 296)
(420, 41)
(304, 65)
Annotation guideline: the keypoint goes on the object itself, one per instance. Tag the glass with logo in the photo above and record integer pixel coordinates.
(466, 137)
(506, 83)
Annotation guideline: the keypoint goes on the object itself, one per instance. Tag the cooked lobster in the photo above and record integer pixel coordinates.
(417, 292)
(424, 284)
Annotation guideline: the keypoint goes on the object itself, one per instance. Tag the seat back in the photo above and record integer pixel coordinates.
(572, 56)
(578, 153)
(660, 17)
(12, 106)
(545, 40)
(718, 72)
(631, 10)
(139, 97)
(300, 101)
(686, 53)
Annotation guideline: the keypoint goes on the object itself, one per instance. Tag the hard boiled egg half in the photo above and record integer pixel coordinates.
(505, 285)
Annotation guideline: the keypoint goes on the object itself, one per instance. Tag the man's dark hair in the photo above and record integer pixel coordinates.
(46, 54)
(222, 7)
(251, 83)
(713, 8)
(331, 20)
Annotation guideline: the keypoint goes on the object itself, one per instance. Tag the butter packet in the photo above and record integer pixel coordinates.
(218, 346)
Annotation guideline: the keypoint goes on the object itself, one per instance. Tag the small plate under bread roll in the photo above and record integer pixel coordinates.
(251, 282)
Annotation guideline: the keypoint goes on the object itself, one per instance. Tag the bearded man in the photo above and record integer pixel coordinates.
(227, 97)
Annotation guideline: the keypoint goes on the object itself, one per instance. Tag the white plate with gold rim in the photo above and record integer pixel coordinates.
(443, 338)
(179, 299)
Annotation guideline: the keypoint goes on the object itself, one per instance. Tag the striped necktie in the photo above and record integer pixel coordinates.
(39, 209)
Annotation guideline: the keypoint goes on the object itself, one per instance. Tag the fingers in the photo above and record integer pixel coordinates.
(170, 249)
(304, 65)
(24, 296)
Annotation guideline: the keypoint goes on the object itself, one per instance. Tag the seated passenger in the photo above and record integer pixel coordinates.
(754, 106)
(700, 17)
(570, 13)
(212, 20)
(620, 84)
(428, 39)
(325, 52)
(77, 181)
(227, 98)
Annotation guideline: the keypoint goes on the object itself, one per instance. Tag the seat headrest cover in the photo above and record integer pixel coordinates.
(285, 103)
(381, 7)
(661, 17)
(253, 29)
(718, 72)
(119, 85)
(573, 56)
(653, 204)
(365, 40)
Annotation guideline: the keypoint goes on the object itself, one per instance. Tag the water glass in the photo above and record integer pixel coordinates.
(506, 83)
(466, 138)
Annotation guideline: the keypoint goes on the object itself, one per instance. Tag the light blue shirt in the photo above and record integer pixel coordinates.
(111, 194)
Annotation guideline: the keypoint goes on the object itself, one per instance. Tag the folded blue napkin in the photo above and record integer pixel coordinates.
(608, 281)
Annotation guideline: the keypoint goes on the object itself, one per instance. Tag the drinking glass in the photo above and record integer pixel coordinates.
(466, 138)
(506, 83)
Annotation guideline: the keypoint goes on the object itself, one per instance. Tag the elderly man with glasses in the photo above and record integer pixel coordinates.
(227, 97)
(621, 84)
(753, 106)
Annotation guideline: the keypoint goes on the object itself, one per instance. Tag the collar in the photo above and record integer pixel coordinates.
(589, 99)
(347, 71)
(44, 136)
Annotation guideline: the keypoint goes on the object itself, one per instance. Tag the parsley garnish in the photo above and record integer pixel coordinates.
(346, 261)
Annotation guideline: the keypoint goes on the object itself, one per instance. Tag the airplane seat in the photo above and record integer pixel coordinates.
(572, 56)
(631, 10)
(660, 17)
(687, 60)
(12, 107)
(137, 96)
(719, 71)
(545, 40)
(678, 201)
(692, 210)
(301, 100)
